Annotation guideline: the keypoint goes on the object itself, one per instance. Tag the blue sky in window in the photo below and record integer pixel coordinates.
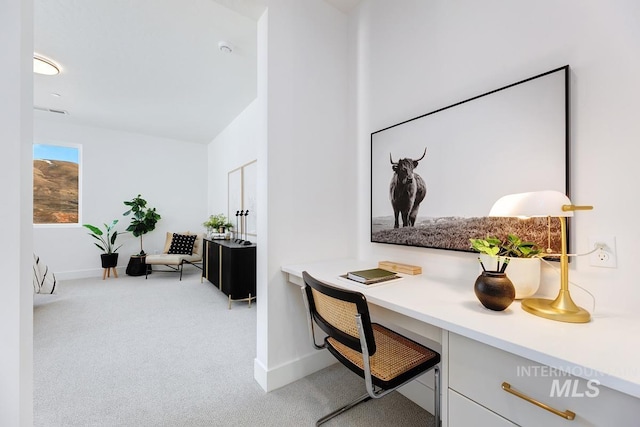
(55, 152)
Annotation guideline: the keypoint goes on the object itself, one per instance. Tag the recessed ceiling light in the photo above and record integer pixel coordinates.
(42, 65)
(57, 95)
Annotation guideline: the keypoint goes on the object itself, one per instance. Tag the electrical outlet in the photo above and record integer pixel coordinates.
(605, 255)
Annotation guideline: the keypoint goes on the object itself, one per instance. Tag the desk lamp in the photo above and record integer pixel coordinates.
(546, 204)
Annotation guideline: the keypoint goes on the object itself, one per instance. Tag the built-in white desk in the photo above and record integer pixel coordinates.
(604, 350)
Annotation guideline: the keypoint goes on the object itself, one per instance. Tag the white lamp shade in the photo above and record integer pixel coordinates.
(532, 204)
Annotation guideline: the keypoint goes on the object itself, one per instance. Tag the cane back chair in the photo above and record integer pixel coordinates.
(385, 359)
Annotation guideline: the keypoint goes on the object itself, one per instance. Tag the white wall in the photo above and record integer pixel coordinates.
(413, 56)
(117, 166)
(234, 147)
(16, 300)
(306, 170)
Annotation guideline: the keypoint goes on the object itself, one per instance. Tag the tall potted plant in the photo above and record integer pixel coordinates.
(144, 219)
(106, 243)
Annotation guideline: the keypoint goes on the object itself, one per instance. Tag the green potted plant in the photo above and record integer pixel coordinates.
(106, 241)
(217, 224)
(521, 257)
(512, 247)
(144, 219)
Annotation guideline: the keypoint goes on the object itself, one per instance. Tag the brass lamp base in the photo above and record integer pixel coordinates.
(561, 309)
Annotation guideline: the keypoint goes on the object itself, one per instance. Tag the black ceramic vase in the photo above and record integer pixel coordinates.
(494, 290)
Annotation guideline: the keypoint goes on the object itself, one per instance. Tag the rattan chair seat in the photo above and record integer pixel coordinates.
(393, 360)
(395, 356)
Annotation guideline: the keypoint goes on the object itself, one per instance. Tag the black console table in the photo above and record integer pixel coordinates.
(232, 268)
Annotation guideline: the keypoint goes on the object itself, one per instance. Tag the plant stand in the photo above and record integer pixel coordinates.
(106, 272)
(109, 262)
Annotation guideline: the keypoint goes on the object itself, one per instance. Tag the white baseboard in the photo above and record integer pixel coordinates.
(85, 274)
(272, 379)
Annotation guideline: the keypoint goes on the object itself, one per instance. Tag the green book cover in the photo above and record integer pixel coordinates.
(371, 276)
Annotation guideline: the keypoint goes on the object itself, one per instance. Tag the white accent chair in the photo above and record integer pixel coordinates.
(174, 261)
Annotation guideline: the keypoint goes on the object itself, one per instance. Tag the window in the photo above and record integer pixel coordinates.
(56, 184)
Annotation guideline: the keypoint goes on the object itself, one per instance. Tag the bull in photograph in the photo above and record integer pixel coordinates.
(407, 190)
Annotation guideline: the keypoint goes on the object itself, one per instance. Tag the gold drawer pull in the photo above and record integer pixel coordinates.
(567, 415)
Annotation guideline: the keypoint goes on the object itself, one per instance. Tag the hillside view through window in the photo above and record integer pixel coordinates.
(56, 182)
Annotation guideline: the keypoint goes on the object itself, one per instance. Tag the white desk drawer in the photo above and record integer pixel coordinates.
(478, 371)
(464, 413)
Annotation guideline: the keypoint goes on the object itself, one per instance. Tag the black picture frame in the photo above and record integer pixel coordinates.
(509, 140)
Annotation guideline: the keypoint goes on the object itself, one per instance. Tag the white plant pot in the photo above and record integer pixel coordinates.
(523, 272)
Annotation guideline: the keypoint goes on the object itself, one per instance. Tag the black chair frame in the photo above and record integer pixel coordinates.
(364, 343)
(172, 268)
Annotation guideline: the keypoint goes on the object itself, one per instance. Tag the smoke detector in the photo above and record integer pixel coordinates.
(225, 47)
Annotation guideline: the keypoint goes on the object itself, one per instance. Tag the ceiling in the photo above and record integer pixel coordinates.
(149, 66)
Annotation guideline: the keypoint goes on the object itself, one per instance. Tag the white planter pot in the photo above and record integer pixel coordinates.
(523, 272)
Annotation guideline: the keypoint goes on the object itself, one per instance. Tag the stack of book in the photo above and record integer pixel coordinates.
(374, 275)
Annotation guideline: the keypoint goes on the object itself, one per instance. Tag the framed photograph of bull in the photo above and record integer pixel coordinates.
(435, 177)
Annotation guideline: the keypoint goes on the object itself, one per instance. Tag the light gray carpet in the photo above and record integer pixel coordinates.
(160, 352)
